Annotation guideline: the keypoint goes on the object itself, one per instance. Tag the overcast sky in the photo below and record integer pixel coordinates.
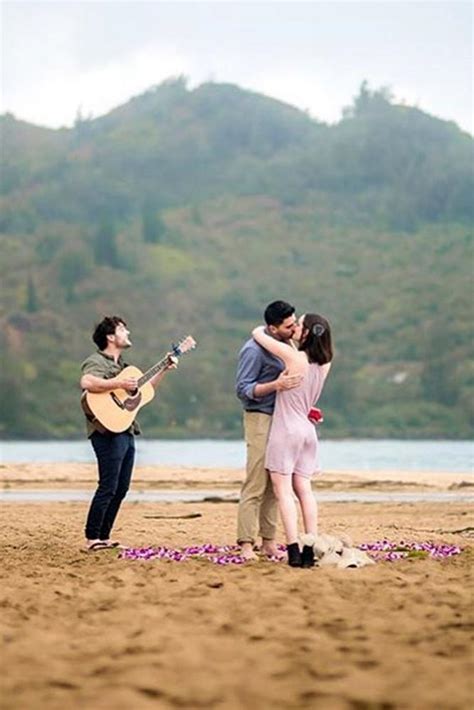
(59, 56)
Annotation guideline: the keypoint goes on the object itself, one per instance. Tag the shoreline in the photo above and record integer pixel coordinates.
(85, 474)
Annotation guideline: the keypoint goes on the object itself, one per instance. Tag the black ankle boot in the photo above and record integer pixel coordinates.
(307, 556)
(294, 554)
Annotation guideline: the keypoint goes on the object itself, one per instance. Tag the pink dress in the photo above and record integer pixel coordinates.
(292, 445)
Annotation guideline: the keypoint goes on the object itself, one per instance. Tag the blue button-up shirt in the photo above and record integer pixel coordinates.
(256, 366)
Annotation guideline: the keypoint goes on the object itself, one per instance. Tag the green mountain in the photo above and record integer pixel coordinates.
(188, 211)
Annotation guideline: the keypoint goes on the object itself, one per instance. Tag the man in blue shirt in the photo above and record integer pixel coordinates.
(260, 376)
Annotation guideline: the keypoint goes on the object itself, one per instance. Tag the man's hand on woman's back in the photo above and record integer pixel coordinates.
(287, 381)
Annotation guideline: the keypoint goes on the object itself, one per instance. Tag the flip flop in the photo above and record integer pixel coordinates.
(96, 547)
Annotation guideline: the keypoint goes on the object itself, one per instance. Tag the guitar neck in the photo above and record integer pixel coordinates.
(183, 346)
(155, 370)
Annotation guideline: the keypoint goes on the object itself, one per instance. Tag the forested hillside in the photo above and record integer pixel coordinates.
(188, 211)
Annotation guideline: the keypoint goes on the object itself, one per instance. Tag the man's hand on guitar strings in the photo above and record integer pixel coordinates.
(130, 384)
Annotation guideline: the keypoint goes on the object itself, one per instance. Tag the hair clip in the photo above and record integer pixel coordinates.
(318, 329)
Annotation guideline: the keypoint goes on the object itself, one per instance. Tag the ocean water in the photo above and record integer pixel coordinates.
(342, 455)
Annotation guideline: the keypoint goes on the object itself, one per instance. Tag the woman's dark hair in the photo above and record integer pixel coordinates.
(106, 327)
(316, 339)
(277, 312)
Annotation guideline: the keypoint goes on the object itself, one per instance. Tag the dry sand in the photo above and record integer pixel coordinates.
(93, 631)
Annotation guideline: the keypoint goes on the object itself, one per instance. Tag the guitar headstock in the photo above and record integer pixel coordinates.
(184, 346)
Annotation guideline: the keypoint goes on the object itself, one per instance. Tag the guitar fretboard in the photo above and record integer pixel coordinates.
(146, 377)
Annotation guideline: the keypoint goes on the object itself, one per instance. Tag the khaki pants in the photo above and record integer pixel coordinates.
(258, 505)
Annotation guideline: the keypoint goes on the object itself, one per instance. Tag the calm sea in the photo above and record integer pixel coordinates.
(346, 455)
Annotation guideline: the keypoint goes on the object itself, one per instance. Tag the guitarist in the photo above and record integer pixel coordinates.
(115, 453)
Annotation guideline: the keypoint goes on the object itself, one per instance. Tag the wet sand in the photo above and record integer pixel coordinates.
(81, 474)
(93, 631)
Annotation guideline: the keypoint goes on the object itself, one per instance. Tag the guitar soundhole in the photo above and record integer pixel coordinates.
(117, 401)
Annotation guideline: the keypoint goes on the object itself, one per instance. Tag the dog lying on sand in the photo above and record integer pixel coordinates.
(337, 551)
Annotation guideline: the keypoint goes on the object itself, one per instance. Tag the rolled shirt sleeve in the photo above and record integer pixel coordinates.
(101, 365)
(256, 366)
(95, 366)
(248, 371)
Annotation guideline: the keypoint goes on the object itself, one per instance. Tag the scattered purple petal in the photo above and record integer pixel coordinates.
(381, 550)
(391, 551)
(220, 555)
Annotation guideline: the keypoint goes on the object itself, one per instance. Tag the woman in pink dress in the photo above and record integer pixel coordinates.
(292, 449)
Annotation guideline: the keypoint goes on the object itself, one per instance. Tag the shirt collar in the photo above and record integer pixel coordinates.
(109, 357)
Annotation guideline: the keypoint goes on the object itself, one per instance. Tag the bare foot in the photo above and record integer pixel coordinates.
(270, 548)
(246, 551)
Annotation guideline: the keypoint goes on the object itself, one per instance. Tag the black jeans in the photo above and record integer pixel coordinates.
(115, 457)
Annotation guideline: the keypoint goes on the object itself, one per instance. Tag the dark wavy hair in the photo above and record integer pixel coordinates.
(277, 311)
(316, 339)
(106, 327)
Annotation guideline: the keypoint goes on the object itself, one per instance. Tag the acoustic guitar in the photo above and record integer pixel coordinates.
(115, 410)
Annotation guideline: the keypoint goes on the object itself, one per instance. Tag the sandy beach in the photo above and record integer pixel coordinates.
(95, 631)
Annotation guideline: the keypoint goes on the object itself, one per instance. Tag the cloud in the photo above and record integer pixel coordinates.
(59, 56)
(308, 93)
(55, 102)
